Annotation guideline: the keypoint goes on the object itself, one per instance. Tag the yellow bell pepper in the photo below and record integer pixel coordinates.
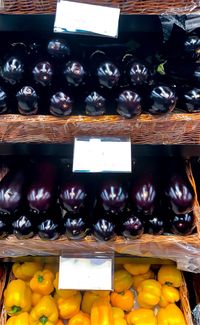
(137, 279)
(63, 292)
(141, 316)
(170, 275)
(22, 319)
(35, 298)
(149, 292)
(45, 312)
(68, 307)
(118, 316)
(17, 297)
(25, 271)
(53, 267)
(89, 297)
(101, 313)
(123, 300)
(122, 280)
(136, 268)
(42, 282)
(101, 293)
(170, 315)
(169, 295)
(80, 319)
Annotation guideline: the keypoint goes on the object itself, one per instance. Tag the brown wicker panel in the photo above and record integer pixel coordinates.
(126, 6)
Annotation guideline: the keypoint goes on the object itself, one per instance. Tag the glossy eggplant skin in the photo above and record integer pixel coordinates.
(3, 104)
(43, 73)
(132, 226)
(50, 224)
(182, 224)
(12, 188)
(5, 225)
(192, 47)
(60, 104)
(129, 104)
(192, 100)
(139, 74)
(42, 190)
(104, 229)
(13, 70)
(72, 195)
(143, 194)
(180, 194)
(108, 74)
(95, 104)
(27, 101)
(58, 48)
(162, 100)
(24, 225)
(74, 73)
(155, 225)
(75, 225)
(113, 197)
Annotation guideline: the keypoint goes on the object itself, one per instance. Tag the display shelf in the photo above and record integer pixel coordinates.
(170, 247)
(177, 128)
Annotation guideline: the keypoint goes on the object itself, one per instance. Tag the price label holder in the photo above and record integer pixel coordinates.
(81, 18)
(102, 154)
(86, 272)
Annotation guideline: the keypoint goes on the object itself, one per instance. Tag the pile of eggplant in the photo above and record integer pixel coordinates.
(51, 203)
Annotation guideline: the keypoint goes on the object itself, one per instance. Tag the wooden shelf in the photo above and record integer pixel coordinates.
(174, 128)
(171, 247)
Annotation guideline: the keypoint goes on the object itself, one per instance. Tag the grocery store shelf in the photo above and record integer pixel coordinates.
(171, 247)
(171, 129)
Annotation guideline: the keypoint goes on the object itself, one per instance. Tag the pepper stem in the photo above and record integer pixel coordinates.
(43, 320)
(15, 309)
(169, 284)
(40, 278)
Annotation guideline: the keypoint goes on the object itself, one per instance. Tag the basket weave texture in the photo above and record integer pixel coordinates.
(126, 6)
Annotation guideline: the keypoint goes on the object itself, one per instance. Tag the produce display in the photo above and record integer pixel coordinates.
(143, 294)
(52, 77)
(51, 201)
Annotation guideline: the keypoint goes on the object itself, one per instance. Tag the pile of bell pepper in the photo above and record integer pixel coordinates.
(141, 296)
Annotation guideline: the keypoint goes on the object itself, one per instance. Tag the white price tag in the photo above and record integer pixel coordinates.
(85, 273)
(75, 17)
(102, 155)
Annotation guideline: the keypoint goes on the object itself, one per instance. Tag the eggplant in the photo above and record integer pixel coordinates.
(155, 225)
(12, 188)
(95, 104)
(61, 104)
(132, 226)
(50, 224)
(74, 73)
(58, 48)
(129, 104)
(139, 74)
(43, 73)
(191, 100)
(41, 194)
(104, 229)
(5, 225)
(13, 70)
(162, 100)
(75, 225)
(3, 102)
(180, 194)
(108, 74)
(72, 195)
(27, 101)
(113, 197)
(183, 224)
(144, 194)
(24, 225)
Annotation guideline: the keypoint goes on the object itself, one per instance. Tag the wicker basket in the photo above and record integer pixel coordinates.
(126, 6)
(184, 304)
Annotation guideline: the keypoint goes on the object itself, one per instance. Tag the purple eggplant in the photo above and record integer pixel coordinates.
(95, 104)
(75, 225)
(5, 225)
(139, 74)
(183, 224)
(58, 48)
(74, 73)
(72, 196)
(155, 225)
(162, 100)
(43, 73)
(180, 194)
(104, 228)
(192, 100)
(113, 197)
(27, 101)
(132, 226)
(61, 104)
(50, 224)
(129, 104)
(192, 47)
(3, 103)
(143, 194)
(23, 225)
(41, 193)
(12, 191)
(108, 75)
(13, 70)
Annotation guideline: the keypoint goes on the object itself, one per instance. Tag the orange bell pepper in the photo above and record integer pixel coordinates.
(80, 319)
(35, 298)
(118, 316)
(149, 293)
(123, 300)
(42, 282)
(169, 295)
(170, 315)
(141, 316)
(59, 322)
(68, 307)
